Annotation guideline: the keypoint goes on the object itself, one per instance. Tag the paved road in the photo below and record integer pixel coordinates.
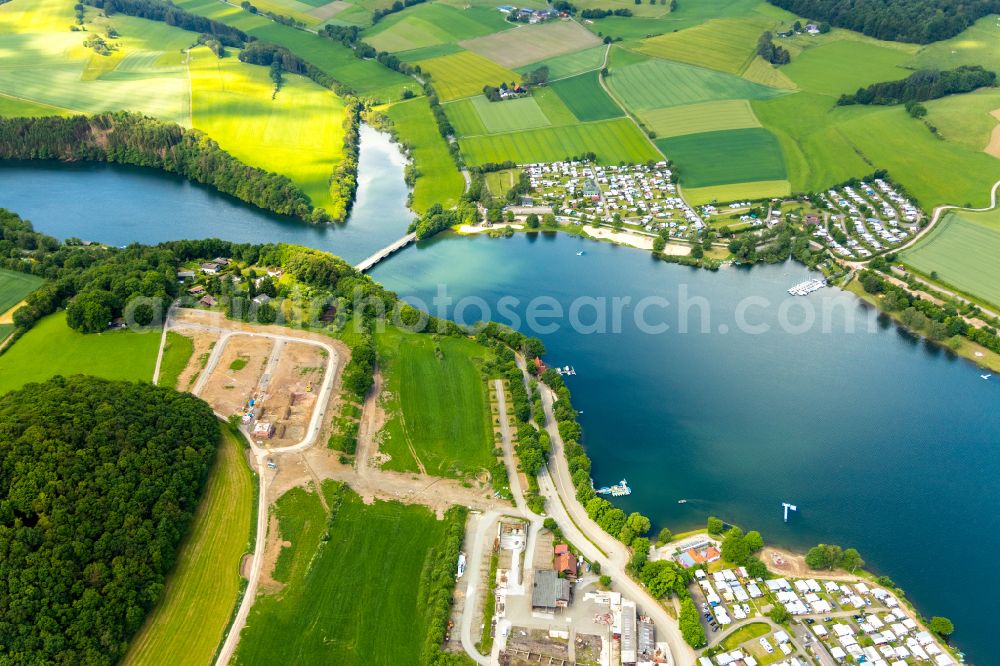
(473, 573)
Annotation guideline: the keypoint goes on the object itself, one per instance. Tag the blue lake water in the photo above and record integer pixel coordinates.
(885, 443)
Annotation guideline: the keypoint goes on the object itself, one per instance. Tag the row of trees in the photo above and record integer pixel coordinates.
(923, 85)
(99, 481)
(919, 21)
(604, 13)
(161, 10)
(771, 52)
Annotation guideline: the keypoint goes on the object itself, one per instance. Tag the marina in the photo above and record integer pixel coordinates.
(807, 287)
(620, 489)
(566, 370)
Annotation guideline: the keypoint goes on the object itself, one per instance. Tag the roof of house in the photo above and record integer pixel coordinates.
(566, 562)
(549, 589)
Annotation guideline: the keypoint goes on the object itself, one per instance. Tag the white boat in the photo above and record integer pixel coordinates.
(682, 501)
(580, 253)
(618, 490)
(985, 376)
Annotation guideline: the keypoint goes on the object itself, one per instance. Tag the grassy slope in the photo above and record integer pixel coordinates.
(438, 406)
(464, 74)
(176, 355)
(724, 157)
(727, 45)
(439, 180)
(527, 44)
(433, 24)
(585, 97)
(367, 613)
(299, 133)
(205, 584)
(15, 287)
(569, 64)
(708, 116)
(963, 249)
(52, 348)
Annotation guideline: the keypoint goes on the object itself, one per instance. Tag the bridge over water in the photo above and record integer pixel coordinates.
(368, 263)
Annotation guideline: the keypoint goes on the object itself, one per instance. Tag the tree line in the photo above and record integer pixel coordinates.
(918, 21)
(167, 12)
(923, 85)
(771, 52)
(130, 138)
(99, 481)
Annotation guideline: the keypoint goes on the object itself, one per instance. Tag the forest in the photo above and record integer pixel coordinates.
(922, 86)
(918, 21)
(130, 138)
(98, 483)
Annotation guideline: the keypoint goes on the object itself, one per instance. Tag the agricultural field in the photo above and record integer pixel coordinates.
(844, 65)
(204, 586)
(176, 354)
(967, 119)
(15, 287)
(586, 99)
(499, 182)
(532, 43)
(474, 116)
(52, 348)
(464, 74)
(724, 157)
(570, 64)
(962, 251)
(438, 417)
(761, 189)
(357, 593)
(612, 140)
(704, 117)
(298, 133)
(438, 179)
(977, 45)
(727, 45)
(762, 72)
(509, 115)
(656, 83)
(433, 24)
(464, 117)
(12, 106)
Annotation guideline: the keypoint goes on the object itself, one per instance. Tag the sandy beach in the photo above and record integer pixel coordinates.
(634, 240)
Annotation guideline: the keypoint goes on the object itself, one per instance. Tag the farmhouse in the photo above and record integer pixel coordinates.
(211, 268)
(208, 301)
(196, 290)
(565, 561)
(549, 591)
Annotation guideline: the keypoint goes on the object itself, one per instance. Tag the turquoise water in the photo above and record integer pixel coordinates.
(884, 443)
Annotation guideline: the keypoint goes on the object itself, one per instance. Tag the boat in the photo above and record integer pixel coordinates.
(807, 287)
(567, 370)
(580, 253)
(620, 489)
(682, 501)
(985, 376)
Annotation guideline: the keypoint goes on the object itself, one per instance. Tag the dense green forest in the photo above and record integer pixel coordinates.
(98, 482)
(130, 138)
(919, 21)
(922, 86)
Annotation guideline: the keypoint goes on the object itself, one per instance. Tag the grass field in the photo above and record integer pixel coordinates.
(438, 410)
(585, 97)
(360, 598)
(499, 182)
(962, 250)
(705, 117)
(569, 64)
(5, 331)
(724, 157)
(176, 354)
(761, 189)
(204, 585)
(612, 140)
(438, 179)
(12, 106)
(727, 45)
(464, 117)
(433, 24)
(977, 45)
(966, 119)
(762, 72)
(464, 74)
(532, 43)
(656, 83)
(52, 348)
(553, 107)
(509, 115)
(299, 133)
(843, 66)
(15, 287)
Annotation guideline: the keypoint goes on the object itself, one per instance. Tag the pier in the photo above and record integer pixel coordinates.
(807, 287)
(371, 261)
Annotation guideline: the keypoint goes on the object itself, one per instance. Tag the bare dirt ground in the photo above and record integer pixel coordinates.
(228, 389)
(8, 316)
(291, 391)
(204, 342)
(373, 418)
(272, 550)
(790, 564)
(993, 147)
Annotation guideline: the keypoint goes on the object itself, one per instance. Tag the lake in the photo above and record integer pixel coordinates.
(885, 443)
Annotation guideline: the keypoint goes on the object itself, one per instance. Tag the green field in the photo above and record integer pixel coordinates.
(432, 24)
(724, 157)
(438, 179)
(761, 189)
(5, 331)
(844, 65)
(977, 45)
(962, 249)
(569, 64)
(464, 117)
(552, 105)
(298, 133)
(438, 413)
(966, 119)
(509, 115)
(357, 596)
(499, 182)
(464, 74)
(656, 83)
(204, 586)
(176, 354)
(52, 348)
(15, 287)
(705, 117)
(532, 43)
(762, 72)
(585, 97)
(727, 45)
(612, 140)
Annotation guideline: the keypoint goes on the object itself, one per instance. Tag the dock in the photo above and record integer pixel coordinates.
(620, 489)
(807, 287)
(374, 259)
(567, 370)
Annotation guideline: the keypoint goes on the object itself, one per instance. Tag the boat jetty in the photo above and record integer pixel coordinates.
(618, 490)
(807, 287)
(567, 370)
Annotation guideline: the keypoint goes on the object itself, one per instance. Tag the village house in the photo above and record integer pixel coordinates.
(565, 561)
(208, 301)
(196, 290)
(185, 275)
(210, 268)
(549, 591)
